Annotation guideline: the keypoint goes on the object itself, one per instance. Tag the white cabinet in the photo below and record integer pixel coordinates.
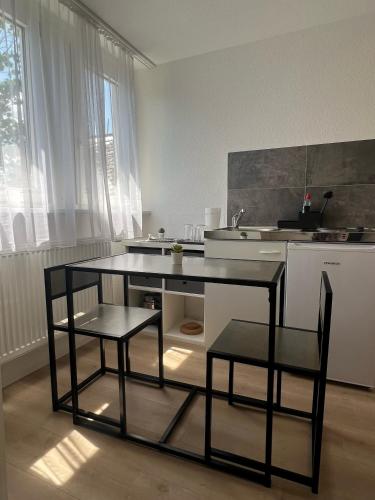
(181, 301)
(274, 251)
(226, 302)
(351, 270)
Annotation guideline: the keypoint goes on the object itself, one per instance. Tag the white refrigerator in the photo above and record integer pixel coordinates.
(351, 270)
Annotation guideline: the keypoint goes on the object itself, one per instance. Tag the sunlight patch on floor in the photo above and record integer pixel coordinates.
(101, 408)
(61, 462)
(175, 356)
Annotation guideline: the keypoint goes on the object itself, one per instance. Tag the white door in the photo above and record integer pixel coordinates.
(351, 269)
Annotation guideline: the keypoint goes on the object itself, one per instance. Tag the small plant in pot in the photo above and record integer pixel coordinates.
(161, 232)
(177, 254)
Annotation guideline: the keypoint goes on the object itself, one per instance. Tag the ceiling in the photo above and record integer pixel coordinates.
(166, 30)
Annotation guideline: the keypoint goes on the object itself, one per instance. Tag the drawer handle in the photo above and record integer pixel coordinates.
(270, 251)
(184, 282)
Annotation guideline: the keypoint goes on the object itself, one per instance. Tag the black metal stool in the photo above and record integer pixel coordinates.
(297, 351)
(103, 321)
(119, 324)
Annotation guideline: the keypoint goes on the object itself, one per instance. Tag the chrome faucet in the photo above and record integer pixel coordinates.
(237, 217)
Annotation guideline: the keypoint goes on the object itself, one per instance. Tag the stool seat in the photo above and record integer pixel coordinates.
(113, 322)
(295, 349)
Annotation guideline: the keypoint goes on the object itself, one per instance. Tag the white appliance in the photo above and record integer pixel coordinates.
(351, 270)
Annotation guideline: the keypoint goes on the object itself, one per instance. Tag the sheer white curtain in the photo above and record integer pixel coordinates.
(124, 191)
(68, 166)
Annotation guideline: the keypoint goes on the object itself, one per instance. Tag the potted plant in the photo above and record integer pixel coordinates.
(161, 232)
(177, 254)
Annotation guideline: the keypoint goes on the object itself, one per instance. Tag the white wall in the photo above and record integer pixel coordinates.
(307, 87)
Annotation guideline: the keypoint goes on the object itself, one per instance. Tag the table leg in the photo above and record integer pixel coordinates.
(126, 303)
(278, 388)
(207, 434)
(121, 384)
(160, 351)
(126, 290)
(270, 383)
(102, 355)
(318, 432)
(72, 342)
(51, 343)
(127, 356)
(231, 382)
(281, 323)
(282, 298)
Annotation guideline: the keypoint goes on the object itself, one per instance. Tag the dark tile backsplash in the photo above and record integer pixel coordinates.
(341, 163)
(268, 168)
(271, 183)
(350, 206)
(264, 205)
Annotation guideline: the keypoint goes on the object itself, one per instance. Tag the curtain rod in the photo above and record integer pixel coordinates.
(98, 22)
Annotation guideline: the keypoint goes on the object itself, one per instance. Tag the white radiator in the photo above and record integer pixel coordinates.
(22, 300)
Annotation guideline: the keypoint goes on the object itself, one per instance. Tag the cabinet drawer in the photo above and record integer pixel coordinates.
(247, 250)
(148, 281)
(145, 250)
(184, 286)
(189, 253)
(194, 253)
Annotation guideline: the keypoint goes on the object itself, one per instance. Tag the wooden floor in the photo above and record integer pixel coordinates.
(49, 458)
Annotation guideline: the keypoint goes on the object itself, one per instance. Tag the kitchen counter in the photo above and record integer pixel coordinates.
(270, 233)
(144, 242)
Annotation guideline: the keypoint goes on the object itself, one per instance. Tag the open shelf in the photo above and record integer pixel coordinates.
(174, 332)
(137, 296)
(178, 307)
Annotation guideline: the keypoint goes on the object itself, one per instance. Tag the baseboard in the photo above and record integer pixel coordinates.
(21, 366)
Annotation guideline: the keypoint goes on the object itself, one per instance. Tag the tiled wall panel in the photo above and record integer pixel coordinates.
(271, 183)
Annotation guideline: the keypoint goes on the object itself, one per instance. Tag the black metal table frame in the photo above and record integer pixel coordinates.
(248, 468)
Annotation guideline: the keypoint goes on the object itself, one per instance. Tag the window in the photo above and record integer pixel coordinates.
(110, 155)
(65, 148)
(12, 109)
(108, 106)
(100, 146)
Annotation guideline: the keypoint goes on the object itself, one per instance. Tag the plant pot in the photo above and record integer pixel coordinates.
(177, 258)
(161, 235)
